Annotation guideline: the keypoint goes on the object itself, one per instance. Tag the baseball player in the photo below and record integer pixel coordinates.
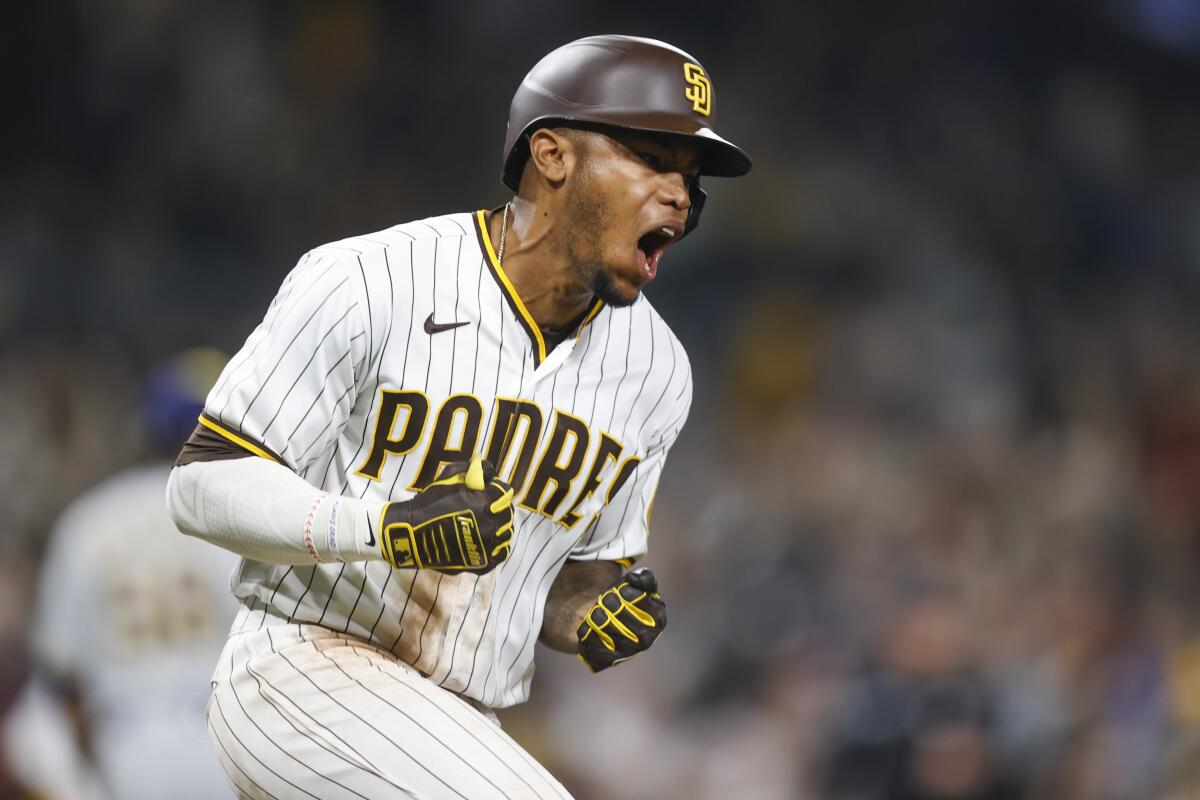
(442, 444)
(129, 619)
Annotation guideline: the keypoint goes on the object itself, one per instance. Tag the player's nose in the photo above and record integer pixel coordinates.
(673, 190)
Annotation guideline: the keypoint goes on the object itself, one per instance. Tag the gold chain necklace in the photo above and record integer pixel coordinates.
(503, 232)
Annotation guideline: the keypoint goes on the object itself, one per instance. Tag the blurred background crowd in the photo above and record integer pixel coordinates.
(933, 529)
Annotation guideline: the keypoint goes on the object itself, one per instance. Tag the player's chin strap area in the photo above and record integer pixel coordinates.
(697, 196)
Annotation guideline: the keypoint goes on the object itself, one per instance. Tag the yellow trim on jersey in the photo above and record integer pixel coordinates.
(530, 323)
(599, 304)
(238, 440)
(650, 508)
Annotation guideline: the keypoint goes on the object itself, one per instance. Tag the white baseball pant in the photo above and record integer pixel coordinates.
(299, 711)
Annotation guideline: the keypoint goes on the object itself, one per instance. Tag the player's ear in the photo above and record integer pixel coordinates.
(552, 155)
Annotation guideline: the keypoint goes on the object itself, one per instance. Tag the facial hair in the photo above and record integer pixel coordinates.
(590, 216)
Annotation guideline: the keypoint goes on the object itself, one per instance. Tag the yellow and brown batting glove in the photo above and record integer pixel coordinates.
(462, 522)
(626, 620)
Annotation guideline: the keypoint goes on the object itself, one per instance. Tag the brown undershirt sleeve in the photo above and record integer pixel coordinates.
(207, 445)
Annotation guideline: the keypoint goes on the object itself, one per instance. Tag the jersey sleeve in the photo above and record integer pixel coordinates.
(287, 393)
(621, 530)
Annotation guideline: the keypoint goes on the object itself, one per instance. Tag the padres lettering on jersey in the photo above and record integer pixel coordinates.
(386, 356)
(559, 464)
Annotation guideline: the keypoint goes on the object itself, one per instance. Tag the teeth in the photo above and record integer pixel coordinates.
(667, 232)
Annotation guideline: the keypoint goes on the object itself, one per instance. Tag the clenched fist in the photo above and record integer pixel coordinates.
(462, 522)
(625, 620)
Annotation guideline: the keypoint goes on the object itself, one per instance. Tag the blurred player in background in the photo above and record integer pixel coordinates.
(130, 617)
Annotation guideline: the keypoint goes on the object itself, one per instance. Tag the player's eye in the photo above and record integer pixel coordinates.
(654, 162)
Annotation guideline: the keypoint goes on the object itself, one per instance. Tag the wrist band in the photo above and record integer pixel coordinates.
(331, 533)
(308, 533)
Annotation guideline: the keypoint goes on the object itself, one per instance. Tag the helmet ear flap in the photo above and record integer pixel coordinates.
(697, 196)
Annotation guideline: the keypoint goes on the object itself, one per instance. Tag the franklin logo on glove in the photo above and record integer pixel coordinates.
(462, 522)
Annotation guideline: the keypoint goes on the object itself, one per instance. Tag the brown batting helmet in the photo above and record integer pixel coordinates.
(623, 82)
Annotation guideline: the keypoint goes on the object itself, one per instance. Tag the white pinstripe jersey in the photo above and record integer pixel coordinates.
(343, 382)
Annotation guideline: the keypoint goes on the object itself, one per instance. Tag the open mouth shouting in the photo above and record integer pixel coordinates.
(650, 247)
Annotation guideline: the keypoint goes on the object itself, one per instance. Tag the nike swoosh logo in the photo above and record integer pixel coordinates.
(370, 536)
(432, 327)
